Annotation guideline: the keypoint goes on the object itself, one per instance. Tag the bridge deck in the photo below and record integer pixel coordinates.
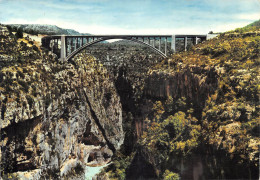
(131, 36)
(72, 44)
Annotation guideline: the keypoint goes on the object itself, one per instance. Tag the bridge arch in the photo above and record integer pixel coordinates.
(78, 50)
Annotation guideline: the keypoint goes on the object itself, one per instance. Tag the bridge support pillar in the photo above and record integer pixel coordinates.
(75, 44)
(71, 45)
(154, 42)
(185, 43)
(173, 43)
(63, 49)
(196, 40)
(52, 45)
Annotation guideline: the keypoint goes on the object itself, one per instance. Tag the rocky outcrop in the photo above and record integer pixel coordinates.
(57, 118)
(194, 83)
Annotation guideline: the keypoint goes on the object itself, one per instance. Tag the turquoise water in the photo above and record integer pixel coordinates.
(92, 171)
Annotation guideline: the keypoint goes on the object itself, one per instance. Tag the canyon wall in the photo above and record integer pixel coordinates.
(195, 83)
(55, 118)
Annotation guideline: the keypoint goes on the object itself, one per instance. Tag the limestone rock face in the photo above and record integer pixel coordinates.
(57, 118)
(192, 82)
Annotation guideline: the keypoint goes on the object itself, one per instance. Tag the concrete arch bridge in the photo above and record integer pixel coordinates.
(67, 46)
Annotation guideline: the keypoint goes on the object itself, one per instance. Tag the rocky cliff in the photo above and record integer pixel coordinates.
(193, 82)
(55, 118)
(219, 80)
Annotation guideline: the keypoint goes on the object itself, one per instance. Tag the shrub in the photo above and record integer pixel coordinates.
(24, 85)
(168, 175)
(30, 100)
(10, 29)
(19, 33)
(20, 74)
(78, 169)
(35, 48)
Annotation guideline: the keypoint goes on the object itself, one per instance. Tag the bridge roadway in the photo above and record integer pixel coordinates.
(70, 45)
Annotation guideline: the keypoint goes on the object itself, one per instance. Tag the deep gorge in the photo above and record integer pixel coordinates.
(191, 116)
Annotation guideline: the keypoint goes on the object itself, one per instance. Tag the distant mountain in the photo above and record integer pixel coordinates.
(44, 29)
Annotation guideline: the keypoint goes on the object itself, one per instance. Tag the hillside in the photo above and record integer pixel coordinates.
(254, 24)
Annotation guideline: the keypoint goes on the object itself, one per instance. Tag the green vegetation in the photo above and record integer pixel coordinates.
(255, 26)
(174, 136)
(117, 170)
(168, 175)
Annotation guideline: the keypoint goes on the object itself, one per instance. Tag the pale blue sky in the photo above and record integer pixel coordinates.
(133, 16)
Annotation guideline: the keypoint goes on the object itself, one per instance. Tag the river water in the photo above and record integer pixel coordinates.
(91, 172)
